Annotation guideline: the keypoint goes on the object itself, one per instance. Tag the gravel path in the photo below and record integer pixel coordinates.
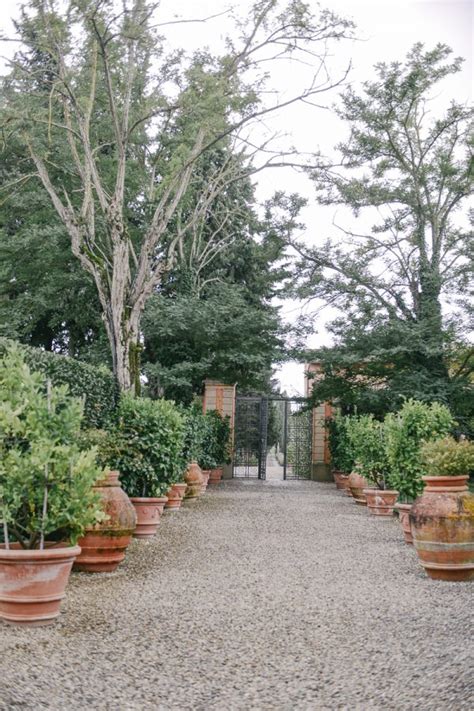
(260, 596)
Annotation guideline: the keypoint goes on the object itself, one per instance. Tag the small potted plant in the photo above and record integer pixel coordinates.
(356, 481)
(221, 450)
(367, 436)
(148, 453)
(196, 427)
(46, 495)
(104, 545)
(404, 433)
(442, 518)
(340, 450)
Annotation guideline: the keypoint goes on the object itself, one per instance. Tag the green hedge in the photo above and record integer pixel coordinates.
(98, 385)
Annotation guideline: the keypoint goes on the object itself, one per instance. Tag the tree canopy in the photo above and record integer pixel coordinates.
(402, 329)
(114, 125)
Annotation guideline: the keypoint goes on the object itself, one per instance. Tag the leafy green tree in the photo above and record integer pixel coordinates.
(222, 337)
(114, 104)
(45, 479)
(412, 174)
(405, 433)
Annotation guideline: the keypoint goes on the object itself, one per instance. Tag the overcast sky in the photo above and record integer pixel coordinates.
(386, 30)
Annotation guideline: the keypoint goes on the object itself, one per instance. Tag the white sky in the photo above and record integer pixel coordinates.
(386, 29)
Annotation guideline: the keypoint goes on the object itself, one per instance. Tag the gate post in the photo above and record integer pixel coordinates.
(321, 459)
(221, 397)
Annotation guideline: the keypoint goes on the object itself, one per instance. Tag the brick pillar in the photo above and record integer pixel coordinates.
(221, 397)
(321, 460)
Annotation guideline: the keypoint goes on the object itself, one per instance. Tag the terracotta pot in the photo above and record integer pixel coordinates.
(32, 583)
(340, 479)
(193, 479)
(148, 512)
(216, 475)
(175, 496)
(357, 484)
(104, 545)
(442, 524)
(205, 479)
(379, 502)
(404, 518)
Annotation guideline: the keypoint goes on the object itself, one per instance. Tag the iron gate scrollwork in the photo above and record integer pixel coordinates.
(273, 438)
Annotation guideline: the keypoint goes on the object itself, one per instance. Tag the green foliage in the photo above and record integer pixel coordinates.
(405, 433)
(374, 368)
(447, 457)
(146, 446)
(412, 172)
(366, 436)
(219, 335)
(218, 447)
(96, 384)
(45, 478)
(340, 447)
(196, 433)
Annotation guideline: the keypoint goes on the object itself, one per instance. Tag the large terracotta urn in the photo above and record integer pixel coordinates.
(206, 473)
(380, 502)
(148, 512)
(175, 495)
(442, 525)
(194, 480)
(216, 475)
(103, 547)
(32, 583)
(404, 518)
(357, 484)
(340, 479)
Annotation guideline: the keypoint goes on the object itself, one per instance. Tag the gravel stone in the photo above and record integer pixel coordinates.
(262, 595)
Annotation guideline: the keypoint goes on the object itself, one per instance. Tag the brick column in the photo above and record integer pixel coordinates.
(321, 460)
(221, 397)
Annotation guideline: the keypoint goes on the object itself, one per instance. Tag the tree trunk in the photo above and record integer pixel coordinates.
(125, 348)
(430, 316)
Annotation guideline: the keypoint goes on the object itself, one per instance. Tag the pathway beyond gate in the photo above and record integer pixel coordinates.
(262, 595)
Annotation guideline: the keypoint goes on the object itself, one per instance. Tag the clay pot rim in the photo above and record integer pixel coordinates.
(149, 499)
(403, 506)
(178, 483)
(444, 478)
(112, 478)
(380, 491)
(53, 553)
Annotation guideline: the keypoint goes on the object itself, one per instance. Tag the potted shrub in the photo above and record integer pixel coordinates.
(356, 481)
(405, 432)
(104, 545)
(46, 496)
(196, 427)
(148, 443)
(340, 450)
(370, 466)
(442, 518)
(221, 448)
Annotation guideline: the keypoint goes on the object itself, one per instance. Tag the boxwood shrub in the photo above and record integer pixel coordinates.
(96, 384)
(146, 446)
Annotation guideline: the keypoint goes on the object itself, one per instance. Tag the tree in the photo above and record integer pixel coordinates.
(415, 174)
(119, 103)
(213, 316)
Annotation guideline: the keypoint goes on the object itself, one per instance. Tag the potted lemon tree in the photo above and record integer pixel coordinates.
(442, 518)
(405, 433)
(46, 495)
(146, 447)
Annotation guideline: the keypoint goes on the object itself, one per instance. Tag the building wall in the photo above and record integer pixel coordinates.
(320, 456)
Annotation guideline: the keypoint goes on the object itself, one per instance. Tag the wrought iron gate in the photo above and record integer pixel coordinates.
(273, 438)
